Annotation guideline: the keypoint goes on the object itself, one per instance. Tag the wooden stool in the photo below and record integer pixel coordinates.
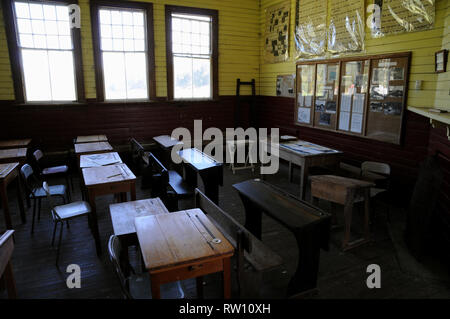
(344, 191)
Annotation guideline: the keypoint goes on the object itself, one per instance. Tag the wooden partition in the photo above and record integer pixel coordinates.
(363, 96)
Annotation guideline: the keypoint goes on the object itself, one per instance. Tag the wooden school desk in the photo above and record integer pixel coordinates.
(13, 155)
(210, 171)
(104, 180)
(19, 143)
(89, 148)
(305, 155)
(309, 225)
(183, 245)
(91, 139)
(8, 173)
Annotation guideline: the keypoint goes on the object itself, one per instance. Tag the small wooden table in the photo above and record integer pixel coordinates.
(13, 155)
(305, 155)
(103, 180)
(101, 159)
(183, 245)
(91, 138)
(8, 173)
(309, 225)
(6, 269)
(210, 171)
(89, 148)
(19, 143)
(344, 191)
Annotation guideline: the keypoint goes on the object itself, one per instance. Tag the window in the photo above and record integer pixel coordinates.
(124, 46)
(192, 38)
(43, 51)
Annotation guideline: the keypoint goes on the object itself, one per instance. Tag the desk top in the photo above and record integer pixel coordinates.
(304, 148)
(166, 141)
(339, 181)
(92, 147)
(6, 169)
(15, 143)
(197, 159)
(123, 214)
(91, 138)
(180, 238)
(289, 211)
(101, 159)
(13, 153)
(107, 174)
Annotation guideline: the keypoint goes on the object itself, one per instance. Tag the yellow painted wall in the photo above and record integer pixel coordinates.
(422, 44)
(238, 45)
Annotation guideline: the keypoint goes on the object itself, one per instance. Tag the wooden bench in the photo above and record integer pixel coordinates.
(258, 256)
(166, 184)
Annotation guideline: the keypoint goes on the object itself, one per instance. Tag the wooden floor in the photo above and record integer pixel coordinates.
(341, 275)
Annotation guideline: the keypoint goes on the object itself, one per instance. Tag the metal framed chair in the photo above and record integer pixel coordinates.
(37, 193)
(64, 213)
(61, 170)
(136, 286)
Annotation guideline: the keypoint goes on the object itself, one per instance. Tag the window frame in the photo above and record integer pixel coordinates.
(95, 6)
(17, 63)
(214, 14)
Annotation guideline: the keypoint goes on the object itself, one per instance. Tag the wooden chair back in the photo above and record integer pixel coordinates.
(6, 271)
(248, 247)
(114, 251)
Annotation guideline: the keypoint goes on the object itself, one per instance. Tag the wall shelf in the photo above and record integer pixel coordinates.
(443, 118)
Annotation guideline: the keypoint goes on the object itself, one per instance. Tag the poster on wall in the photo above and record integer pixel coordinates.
(310, 28)
(398, 16)
(286, 86)
(276, 39)
(346, 26)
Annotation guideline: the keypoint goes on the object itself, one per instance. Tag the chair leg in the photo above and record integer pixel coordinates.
(39, 209)
(34, 215)
(55, 224)
(59, 243)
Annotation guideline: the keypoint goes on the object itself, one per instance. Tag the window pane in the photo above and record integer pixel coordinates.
(138, 18)
(24, 25)
(139, 33)
(52, 42)
(51, 27)
(139, 45)
(62, 13)
(201, 78)
(136, 75)
(128, 45)
(38, 26)
(182, 77)
(26, 40)
(117, 31)
(49, 12)
(36, 11)
(105, 17)
(36, 75)
(105, 31)
(63, 27)
(106, 44)
(127, 18)
(62, 75)
(116, 17)
(117, 44)
(128, 32)
(65, 42)
(114, 75)
(22, 10)
(40, 41)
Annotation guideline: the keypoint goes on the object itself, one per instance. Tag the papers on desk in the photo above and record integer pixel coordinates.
(307, 148)
(103, 159)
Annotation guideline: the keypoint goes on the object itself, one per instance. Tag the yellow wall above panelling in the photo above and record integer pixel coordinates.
(422, 44)
(238, 45)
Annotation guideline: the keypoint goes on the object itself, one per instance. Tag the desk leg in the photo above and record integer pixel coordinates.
(253, 217)
(291, 168)
(20, 201)
(304, 171)
(5, 205)
(10, 282)
(348, 211)
(94, 222)
(226, 278)
(155, 286)
(305, 277)
(211, 183)
(133, 191)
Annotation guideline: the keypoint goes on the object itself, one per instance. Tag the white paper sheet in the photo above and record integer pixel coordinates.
(344, 121)
(300, 99)
(358, 103)
(304, 115)
(346, 101)
(356, 124)
(308, 100)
